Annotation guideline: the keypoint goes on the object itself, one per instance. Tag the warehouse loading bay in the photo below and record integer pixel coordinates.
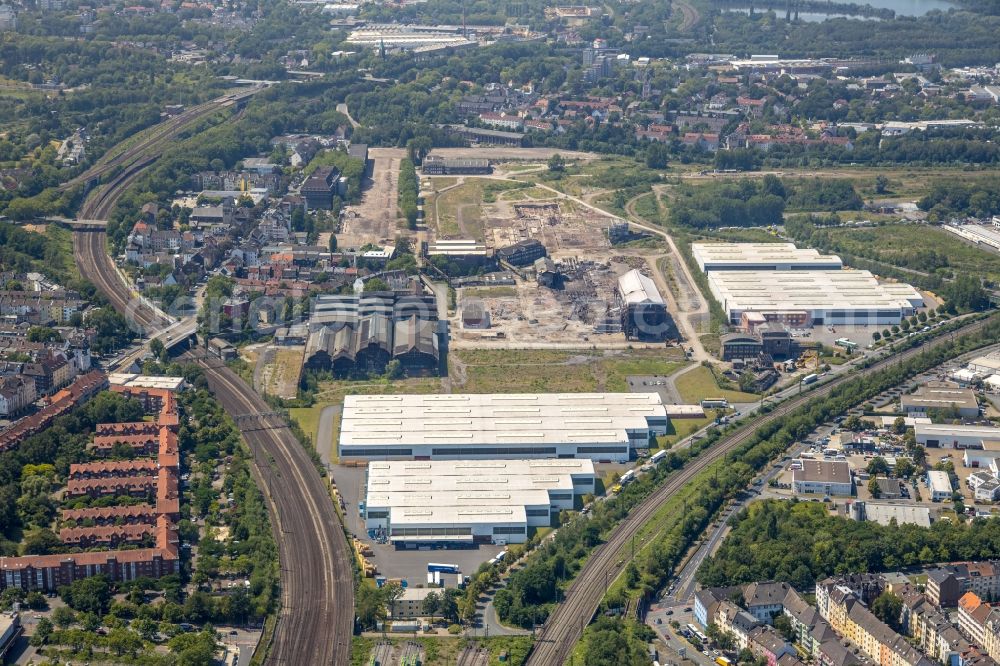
(411, 565)
(408, 565)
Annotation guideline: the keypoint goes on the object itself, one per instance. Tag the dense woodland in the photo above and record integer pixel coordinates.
(758, 547)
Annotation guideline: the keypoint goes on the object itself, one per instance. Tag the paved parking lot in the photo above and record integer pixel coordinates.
(408, 564)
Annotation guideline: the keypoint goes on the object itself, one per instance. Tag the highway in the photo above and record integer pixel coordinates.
(566, 624)
(316, 619)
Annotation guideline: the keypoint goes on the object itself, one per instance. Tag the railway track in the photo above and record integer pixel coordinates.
(316, 620)
(565, 625)
(154, 135)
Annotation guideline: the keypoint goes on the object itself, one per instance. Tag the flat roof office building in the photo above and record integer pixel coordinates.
(481, 501)
(598, 426)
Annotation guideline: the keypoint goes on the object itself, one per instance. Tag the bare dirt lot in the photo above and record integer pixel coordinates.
(376, 218)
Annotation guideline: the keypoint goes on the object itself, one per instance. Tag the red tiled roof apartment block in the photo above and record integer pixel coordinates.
(129, 477)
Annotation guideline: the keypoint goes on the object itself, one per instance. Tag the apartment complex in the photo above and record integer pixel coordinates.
(150, 526)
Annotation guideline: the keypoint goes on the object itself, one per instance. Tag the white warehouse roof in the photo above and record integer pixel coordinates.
(807, 290)
(446, 419)
(939, 481)
(637, 289)
(463, 492)
(763, 256)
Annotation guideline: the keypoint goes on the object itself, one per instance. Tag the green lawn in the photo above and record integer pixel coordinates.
(546, 371)
(698, 384)
(681, 428)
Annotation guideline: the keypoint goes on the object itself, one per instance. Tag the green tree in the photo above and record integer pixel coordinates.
(376, 284)
(878, 465)
(43, 334)
(881, 184)
(333, 242)
(43, 631)
(63, 617)
(899, 425)
(873, 487)
(888, 608)
(91, 594)
(784, 626)
(431, 604)
(556, 163)
(123, 641)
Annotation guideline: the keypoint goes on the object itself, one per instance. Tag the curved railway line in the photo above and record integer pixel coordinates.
(316, 620)
(565, 625)
(146, 146)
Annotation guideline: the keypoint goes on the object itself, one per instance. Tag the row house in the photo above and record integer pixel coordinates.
(109, 536)
(112, 515)
(851, 618)
(980, 622)
(766, 643)
(811, 630)
(931, 629)
(732, 619)
(133, 486)
(81, 390)
(112, 469)
(50, 572)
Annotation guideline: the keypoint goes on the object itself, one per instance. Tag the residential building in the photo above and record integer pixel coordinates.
(765, 600)
(972, 615)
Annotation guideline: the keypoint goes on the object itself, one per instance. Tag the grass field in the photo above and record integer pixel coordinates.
(892, 242)
(284, 377)
(459, 210)
(698, 384)
(681, 428)
(542, 371)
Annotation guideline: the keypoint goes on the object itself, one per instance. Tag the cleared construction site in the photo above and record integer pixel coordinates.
(547, 270)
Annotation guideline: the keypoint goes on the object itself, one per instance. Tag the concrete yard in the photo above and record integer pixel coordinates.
(408, 564)
(375, 219)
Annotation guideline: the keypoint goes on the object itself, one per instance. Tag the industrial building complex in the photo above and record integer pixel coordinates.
(598, 426)
(482, 501)
(761, 257)
(799, 287)
(357, 335)
(802, 299)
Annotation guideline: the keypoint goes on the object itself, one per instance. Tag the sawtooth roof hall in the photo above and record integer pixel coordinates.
(599, 426)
